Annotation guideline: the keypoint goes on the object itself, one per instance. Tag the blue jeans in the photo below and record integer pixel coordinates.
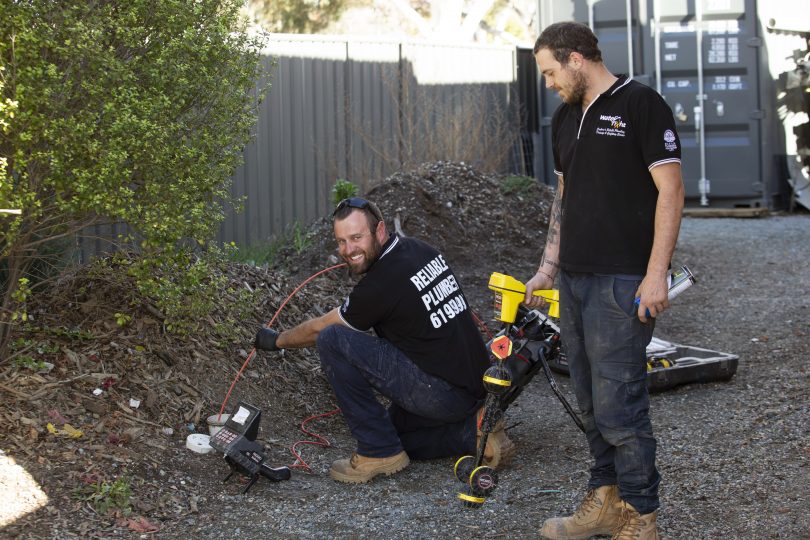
(606, 348)
(428, 417)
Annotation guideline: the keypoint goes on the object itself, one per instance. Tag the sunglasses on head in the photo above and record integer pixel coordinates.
(359, 203)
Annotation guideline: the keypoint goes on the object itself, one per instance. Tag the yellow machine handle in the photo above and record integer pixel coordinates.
(512, 293)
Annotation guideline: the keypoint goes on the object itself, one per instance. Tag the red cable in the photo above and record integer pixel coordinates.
(482, 325)
(321, 441)
(268, 325)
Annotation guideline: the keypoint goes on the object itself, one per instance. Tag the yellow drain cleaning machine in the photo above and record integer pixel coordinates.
(529, 341)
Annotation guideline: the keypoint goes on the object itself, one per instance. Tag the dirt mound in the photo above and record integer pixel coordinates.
(464, 213)
(468, 215)
(135, 391)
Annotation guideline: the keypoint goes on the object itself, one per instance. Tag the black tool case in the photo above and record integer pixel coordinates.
(670, 365)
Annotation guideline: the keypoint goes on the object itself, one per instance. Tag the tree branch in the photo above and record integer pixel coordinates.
(411, 14)
(475, 16)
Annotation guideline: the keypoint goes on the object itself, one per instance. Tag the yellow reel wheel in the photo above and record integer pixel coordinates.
(483, 481)
(471, 501)
(464, 466)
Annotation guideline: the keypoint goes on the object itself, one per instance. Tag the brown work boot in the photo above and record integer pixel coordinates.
(359, 469)
(634, 526)
(500, 448)
(598, 514)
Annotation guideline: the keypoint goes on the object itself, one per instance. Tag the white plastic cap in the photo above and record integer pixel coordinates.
(199, 443)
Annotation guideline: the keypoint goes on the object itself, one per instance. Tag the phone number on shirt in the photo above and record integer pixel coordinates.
(448, 310)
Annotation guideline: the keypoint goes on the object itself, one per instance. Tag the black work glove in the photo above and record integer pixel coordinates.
(266, 340)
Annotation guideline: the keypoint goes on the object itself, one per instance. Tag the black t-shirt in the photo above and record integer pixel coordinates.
(605, 156)
(412, 299)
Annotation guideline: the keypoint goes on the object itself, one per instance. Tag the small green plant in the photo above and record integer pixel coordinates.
(517, 184)
(301, 239)
(29, 362)
(20, 295)
(107, 496)
(122, 319)
(257, 254)
(46, 347)
(20, 343)
(343, 189)
(294, 236)
(75, 334)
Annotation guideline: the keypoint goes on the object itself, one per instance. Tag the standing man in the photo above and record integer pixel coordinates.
(427, 356)
(613, 228)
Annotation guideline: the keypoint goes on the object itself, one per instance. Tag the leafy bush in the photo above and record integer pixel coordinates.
(184, 288)
(133, 112)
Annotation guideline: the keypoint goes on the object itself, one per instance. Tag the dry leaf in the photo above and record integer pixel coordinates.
(141, 524)
(72, 432)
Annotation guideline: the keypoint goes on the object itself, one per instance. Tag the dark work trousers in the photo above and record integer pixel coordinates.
(428, 417)
(605, 343)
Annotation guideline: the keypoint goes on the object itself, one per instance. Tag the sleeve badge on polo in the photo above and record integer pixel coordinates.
(669, 141)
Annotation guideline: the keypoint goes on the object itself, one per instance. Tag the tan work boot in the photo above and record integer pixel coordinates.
(598, 514)
(634, 526)
(359, 469)
(500, 448)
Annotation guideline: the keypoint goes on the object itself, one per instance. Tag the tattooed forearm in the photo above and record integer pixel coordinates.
(547, 261)
(554, 222)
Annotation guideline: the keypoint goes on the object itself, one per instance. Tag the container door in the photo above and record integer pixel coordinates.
(715, 97)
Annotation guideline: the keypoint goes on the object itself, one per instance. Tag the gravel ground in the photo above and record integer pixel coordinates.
(733, 455)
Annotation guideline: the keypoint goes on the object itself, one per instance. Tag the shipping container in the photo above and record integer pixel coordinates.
(709, 59)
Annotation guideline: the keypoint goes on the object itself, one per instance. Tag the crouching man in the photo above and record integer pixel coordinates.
(426, 356)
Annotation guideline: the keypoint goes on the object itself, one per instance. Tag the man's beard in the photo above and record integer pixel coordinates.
(579, 86)
(369, 258)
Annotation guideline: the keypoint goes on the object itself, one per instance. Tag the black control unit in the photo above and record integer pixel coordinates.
(237, 440)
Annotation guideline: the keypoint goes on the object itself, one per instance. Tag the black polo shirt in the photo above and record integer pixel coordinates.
(411, 298)
(605, 155)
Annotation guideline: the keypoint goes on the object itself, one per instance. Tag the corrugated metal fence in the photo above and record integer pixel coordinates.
(361, 110)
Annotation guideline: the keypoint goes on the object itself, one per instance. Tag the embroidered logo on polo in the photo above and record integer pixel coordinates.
(669, 141)
(611, 126)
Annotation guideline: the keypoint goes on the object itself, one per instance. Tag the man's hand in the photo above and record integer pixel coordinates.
(540, 281)
(653, 296)
(266, 340)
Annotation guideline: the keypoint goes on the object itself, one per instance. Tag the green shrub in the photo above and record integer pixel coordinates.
(122, 112)
(343, 189)
(517, 184)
